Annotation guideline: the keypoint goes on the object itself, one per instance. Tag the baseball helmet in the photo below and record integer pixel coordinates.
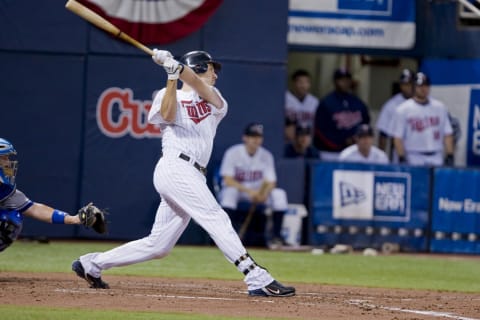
(421, 79)
(8, 164)
(198, 61)
(406, 76)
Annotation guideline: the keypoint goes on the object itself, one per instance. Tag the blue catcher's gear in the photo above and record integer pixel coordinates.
(11, 222)
(8, 169)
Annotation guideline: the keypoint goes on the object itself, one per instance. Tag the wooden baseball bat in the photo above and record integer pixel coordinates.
(251, 211)
(246, 222)
(98, 21)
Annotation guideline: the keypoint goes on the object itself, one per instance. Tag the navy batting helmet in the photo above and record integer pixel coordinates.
(198, 61)
(421, 79)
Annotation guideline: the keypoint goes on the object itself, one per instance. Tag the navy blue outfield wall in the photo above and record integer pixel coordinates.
(59, 73)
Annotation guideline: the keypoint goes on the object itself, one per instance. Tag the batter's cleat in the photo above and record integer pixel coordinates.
(96, 283)
(274, 289)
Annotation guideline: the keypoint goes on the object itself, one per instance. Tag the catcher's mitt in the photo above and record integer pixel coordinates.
(92, 217)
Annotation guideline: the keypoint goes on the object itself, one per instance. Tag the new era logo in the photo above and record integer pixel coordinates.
(349, 194)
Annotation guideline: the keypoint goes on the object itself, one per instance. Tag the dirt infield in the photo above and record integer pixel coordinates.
(229, 298)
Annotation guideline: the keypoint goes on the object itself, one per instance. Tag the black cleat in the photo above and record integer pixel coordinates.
(96, 283)
(274, 289)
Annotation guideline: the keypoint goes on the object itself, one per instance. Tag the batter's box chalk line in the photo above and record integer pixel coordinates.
(365, 303)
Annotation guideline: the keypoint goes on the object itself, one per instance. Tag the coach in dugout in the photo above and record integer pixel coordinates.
(337, 117)
(422, 131)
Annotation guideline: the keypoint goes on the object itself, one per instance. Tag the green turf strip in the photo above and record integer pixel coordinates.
(396, 271)
(40, 313)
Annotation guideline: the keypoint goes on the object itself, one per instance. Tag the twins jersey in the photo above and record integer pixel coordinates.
(336, 121)
(375, 156)
(194, 127)
(250, 171)
(422, 127)
(387, 113)
(302, 111)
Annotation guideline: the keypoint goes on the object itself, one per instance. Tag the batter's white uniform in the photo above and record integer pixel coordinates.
(184, 192)
(302, 111)
(352, 154)
(250, 171)
(422, 129)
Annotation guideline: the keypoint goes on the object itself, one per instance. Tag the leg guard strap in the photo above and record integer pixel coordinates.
(250, 264)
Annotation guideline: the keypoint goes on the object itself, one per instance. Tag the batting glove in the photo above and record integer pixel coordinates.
(159, 56)
(173, 68)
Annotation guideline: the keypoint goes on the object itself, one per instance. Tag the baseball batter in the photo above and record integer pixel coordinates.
(245, 168)
(421, 128)
(189, 118)
(14, 204)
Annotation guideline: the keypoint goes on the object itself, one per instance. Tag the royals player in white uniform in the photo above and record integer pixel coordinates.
(363, 150)
(387, 112)
(188, 118)
(245, 168)
(421, 128)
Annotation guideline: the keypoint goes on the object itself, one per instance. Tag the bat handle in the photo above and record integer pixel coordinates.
(137, 44)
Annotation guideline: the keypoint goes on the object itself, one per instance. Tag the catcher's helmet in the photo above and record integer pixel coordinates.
(8, 164)
(198, 61)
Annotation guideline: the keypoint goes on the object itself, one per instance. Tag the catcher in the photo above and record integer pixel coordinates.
(14, 205)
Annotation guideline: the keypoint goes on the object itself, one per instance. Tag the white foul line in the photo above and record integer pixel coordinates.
(163, 296)
(422, 312)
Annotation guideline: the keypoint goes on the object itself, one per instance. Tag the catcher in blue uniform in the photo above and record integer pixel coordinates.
(14, 205)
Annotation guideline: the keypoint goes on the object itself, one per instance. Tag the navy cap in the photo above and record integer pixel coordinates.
(254, 129)
(406, 76)
(341, 73)
(364, 130)
(421, 79)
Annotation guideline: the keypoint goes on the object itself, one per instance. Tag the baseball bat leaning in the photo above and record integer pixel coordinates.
(98, 21)
(246, 223)
(251, 211)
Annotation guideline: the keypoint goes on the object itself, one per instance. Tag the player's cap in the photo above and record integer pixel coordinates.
(406, 76)
(421, 79)
(303, 130)
(198, 61)
(341, 73)
(254, 130)
(364, 130)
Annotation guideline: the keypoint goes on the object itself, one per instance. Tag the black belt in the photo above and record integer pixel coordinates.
(426, 153)
(197, 166)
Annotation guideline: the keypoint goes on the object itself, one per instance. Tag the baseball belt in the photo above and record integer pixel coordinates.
(197, 166)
